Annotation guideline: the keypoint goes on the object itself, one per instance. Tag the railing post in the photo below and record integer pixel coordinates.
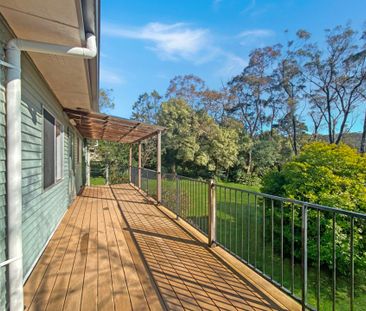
(139, 167)
(130, 166)
(304, 257)
(177, 195)
(211, 212)
(158, 168)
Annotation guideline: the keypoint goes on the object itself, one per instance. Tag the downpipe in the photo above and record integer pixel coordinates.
(14, 151)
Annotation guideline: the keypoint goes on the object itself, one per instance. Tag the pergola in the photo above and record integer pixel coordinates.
(99, 126)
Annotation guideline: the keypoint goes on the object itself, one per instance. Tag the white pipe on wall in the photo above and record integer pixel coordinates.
(14, 180)
(14, 150)
(90, 51)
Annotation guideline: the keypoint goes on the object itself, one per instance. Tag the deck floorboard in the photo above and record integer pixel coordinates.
(115, 250)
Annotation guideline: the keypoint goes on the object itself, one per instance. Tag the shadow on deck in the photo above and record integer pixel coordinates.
(114, 250)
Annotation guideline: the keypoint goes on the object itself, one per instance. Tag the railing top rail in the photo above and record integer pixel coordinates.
(148, 170)
(274, 197)
(191, 179)
(298, 202)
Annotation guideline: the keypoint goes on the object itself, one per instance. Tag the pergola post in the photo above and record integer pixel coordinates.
(87, 168)
(158, 168)
(130, 166)
(139, 166)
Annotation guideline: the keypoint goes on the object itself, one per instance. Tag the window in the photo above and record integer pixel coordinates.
(59, 151)
(52, 150)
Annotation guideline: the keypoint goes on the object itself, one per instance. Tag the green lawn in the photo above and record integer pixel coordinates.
(97, 181)
(244, 227)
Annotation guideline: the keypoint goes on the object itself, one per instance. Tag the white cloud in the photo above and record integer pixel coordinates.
(180, 41)
(170, 41)
(110, 77)
(254, 37)
(256, 33)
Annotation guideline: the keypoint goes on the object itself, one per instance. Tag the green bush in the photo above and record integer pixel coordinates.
(331, 175)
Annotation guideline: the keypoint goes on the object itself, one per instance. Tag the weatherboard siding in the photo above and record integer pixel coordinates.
(4, 37)
(42, 208)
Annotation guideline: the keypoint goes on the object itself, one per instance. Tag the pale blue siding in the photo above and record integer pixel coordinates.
(42, 209)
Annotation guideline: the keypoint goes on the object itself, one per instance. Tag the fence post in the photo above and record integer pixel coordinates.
(304, 257)
(158, 168)
(130, 166)
(211, 212)
(177, 195)
(139, 167)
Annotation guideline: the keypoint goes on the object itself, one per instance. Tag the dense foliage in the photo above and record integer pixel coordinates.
(327, 174)
(331, 175)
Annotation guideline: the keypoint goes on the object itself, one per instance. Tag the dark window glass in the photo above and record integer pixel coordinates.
(48, 149)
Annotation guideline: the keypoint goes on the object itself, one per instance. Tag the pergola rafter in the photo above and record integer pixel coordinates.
(99, 126)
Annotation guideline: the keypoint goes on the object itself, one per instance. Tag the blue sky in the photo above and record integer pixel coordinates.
(146, 43)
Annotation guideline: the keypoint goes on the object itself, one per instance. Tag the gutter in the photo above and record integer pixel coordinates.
(14, 150)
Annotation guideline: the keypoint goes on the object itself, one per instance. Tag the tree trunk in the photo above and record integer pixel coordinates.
(294, 134)
(330, 130)
(249, 163)
(343, 125)
(173, 167)
(363, 139)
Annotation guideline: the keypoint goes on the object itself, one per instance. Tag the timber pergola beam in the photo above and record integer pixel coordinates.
(99, 126)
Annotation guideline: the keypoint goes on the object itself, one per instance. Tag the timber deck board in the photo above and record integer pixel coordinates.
(115, 250)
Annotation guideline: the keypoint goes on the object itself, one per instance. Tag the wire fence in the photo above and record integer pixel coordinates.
(315, 253)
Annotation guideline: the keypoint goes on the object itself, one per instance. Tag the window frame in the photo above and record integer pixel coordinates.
(62, 147)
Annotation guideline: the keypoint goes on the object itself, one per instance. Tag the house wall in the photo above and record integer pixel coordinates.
(42, 209)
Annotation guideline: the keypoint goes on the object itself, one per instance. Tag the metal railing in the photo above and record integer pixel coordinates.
(304, 249)
(187, 198)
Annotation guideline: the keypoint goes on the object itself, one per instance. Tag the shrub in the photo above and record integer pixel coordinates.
(332, 175)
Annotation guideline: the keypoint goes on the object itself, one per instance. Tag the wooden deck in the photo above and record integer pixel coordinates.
(114, 250)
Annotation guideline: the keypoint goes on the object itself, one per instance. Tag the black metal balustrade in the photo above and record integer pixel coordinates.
(273, 235)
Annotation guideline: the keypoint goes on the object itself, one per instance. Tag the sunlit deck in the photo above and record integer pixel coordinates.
(114, 250)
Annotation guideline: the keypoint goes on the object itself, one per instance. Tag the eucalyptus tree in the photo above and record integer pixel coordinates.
(187, 87)
(250, 94)
(335, 76)
(290, 83)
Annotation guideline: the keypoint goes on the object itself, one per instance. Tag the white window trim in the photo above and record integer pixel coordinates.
(62, 150)
(56, 181)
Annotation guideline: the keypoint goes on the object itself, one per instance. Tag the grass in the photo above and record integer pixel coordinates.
(97, 181)
(244, 228)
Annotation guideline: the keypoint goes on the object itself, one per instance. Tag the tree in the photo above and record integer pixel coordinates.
(179, 142)
(336, 77)
(214, 102)
(188, 88)
(290, 83)
(249, 94)
(218, 145)
(145, 109)
(106, 100)
(331, 175)
(363, 137)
